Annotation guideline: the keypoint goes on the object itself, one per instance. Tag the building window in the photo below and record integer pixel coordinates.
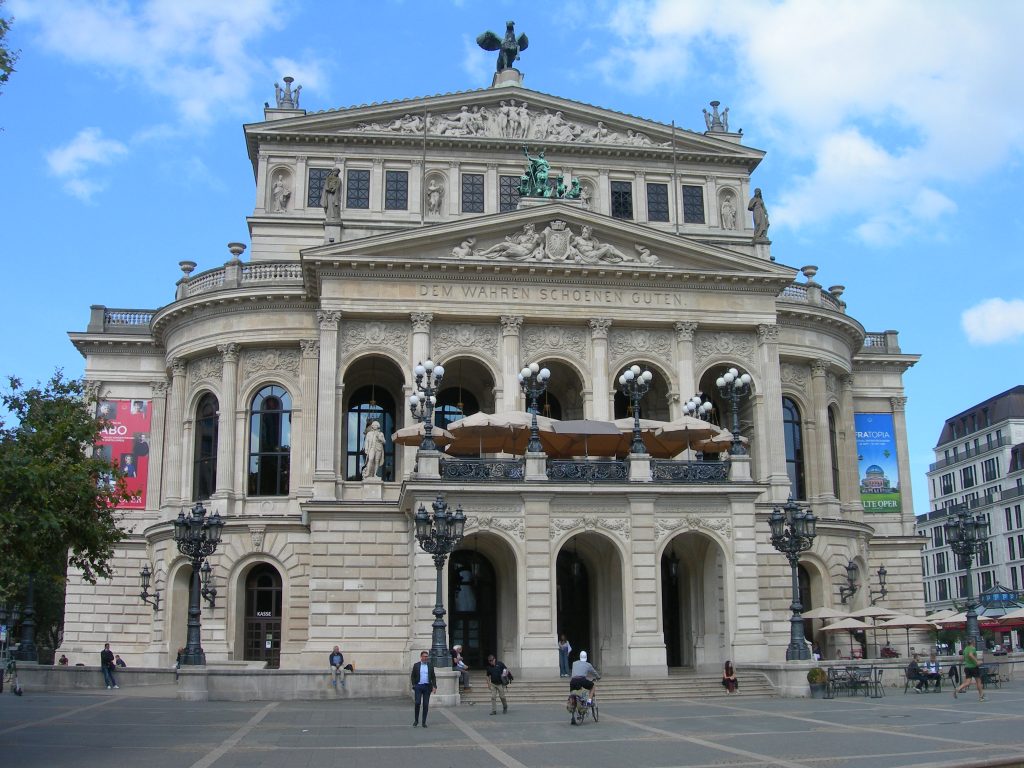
(270, 437)
(204, 457)
(948, 486)
(453, 404)
(1012, 548)
(833, 444)
(986, 580)
(657, 202)
(990, 469)
(508, 193)
(396, 190)
(315, 186)
(940, 562)
(369, 403)
(693, 204)
(472, 193)
(1009, 519)
(358, 193)
(937, 535)
(1015, 584)
(967, 478)
(622, 200)
(793, 430)
(943, 589)
(1016, 515)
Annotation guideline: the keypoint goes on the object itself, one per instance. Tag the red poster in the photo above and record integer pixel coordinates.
(124, 441)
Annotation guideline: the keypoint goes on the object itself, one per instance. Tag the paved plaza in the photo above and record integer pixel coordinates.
(140, 729)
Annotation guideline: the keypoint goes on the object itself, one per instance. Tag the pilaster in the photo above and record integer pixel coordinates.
(599, 369)
(825, 494)
(899, 423)
(848, 452)
(684, 356)
(307, 442)
(771, 464)
(157, 426)
(226, 421)
(324, 479)
(175, 415)
(511, 327)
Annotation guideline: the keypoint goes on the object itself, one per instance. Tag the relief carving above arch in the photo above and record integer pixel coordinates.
(514, 526)
(536, 341)
(360, 334)
(709, 345)
(790, 373)
(663, 526)
(205, 369)
(260, 362)
(620, 526)
(465, 336)
(627, 341)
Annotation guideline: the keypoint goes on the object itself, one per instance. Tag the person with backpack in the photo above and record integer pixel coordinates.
(498, 678)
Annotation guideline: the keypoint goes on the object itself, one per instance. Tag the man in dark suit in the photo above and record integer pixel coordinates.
(423, 684)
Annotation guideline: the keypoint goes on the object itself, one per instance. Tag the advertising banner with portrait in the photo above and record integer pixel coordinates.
(877, 469)
(124, 442)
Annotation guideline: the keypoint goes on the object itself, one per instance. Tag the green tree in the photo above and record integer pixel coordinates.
(7, 56)
(58, 499)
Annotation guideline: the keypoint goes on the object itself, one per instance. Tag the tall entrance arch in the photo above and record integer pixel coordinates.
(262, 621)
(694, 602)
(590, 604)
(482, 600)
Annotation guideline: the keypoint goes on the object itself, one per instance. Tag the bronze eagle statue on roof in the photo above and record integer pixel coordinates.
(508, 48)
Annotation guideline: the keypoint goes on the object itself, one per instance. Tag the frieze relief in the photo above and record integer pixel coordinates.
(632, 341)
(831, 383)
(260, 362)
(463, 336)
(790, 373)
(515, 526)
(510, 120)
(617, 525)
(536, 341)
(723, 344)
(359, 334)
(663, 526)
(205, 369)
(555, 243)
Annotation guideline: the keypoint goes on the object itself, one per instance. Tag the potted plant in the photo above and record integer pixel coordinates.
(818, 680)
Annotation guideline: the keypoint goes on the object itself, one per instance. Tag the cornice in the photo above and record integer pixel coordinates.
(818, 318)
(229, 302)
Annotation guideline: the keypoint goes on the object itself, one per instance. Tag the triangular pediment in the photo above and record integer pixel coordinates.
(498, 116)
(552, 238)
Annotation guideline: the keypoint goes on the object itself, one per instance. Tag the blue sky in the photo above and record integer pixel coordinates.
(894, 134)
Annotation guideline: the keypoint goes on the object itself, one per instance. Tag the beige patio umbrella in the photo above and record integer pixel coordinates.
(719, 443)
(872, 611)
(945, 613)
(1016, 615)
(589, 437)
(647, 429)
(687, 431)
(959, 621)
(414, 436)
(849, 624)
(907, 622)
(824, 612)
(506, 432)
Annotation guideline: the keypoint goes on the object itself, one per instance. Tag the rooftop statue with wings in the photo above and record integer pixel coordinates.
(508, 48)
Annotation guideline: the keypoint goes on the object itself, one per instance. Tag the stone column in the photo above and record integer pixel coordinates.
(511, 364)
(771, 464)
(377, 185)
(324, 478)
(604, 194)
(300, 185)
(640, 198)
(175, 416)
(157, 448)
(644, 629)
(420, 337)
(822, 447)
(454, 189)
(226, 421)
(308, 433)
(536, 605)
(491, 188)
(261, 183)
(850, 474)
(684, 355)
(416, 203)
(899, 423)
(599, 368)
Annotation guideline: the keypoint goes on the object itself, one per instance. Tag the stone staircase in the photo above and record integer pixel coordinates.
(680, 684)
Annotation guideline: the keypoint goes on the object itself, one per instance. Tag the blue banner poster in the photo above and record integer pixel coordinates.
(876, 463)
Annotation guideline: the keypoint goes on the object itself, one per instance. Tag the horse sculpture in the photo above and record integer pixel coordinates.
(508, 48)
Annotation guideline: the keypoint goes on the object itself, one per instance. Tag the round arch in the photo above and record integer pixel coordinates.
(246, 631)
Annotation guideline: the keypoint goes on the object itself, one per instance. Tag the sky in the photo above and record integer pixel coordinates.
(894, 136)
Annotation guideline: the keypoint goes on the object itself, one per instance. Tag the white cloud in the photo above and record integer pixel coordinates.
(87, 150)
(993, 321)
(476, 62)
(308, 74)
(892, 106)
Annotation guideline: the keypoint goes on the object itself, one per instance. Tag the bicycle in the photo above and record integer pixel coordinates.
(578, 705)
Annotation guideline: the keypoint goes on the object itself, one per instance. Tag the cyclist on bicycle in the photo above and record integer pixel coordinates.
(583, 676)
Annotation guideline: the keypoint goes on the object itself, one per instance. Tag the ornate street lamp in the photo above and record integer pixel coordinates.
(849, 589)
(150, 598)
(438, 535)
(27, 638)
(881, 592)
(793, 531)
(634, 384)
(967, 534)
(422, 401)
(534, 382)
(209, 588)
(197, 537)
(699, 408)
(733, 385)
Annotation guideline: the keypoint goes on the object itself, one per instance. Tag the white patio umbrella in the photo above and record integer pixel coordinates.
(907, 622)
(945, 613)
(848, 624)
(824, 612)
(414, 435)
(873, 612)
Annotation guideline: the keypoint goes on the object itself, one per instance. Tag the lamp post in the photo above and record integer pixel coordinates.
(27, 639)
(209, 588)
(882, 591)
(533, 380)
(793, 532)
(438, 534)
(634, 384)
(150, 598)
(733, 386)
(967, 534)
(849, 589)
(197, 537)
(422, 401)
(699, 408)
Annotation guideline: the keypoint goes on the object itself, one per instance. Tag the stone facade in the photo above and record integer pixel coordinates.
(327, 320)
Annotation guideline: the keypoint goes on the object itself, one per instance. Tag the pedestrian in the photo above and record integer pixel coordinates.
(63, 661)
(729, 681)
(107, 665)
(971, 670)
(498, 677)
(337, 661)
(564, 649)
(118, 661)
(177, 663)
(460, 666)
(424, 683)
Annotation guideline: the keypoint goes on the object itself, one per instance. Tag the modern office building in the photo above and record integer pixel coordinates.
(386, 235)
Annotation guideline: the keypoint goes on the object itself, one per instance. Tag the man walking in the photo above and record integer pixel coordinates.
(498, 676)
(424, 683)
(971, 670)
(336, 660)
(107, 665)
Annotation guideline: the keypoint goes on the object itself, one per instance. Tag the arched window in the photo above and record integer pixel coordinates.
(368, 404)
(833, 444)
(270, 437)
(793, 431)
(204, 455)
(453, 404)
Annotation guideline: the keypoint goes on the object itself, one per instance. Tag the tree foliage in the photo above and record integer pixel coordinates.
(58, 499)
(7, 56)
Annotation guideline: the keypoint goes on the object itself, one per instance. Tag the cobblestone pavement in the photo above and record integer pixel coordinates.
(139, 729)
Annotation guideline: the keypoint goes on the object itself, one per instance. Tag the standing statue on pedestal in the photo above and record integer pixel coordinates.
(537, 173)
(330, 197)
(373, 450)
(756, 206)
(508, 48)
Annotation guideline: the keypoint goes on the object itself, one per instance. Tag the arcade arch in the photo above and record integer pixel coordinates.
(695, 607)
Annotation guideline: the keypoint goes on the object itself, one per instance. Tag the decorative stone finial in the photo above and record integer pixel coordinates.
(187, 267)
(715, 121)
(837, 290)
(286, 97)
(809, 272)
(237, 249)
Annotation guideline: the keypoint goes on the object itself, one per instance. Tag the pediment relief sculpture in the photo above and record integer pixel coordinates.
(556, 243)
(511, 120)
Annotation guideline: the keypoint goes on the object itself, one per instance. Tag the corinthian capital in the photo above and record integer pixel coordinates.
(510, 324)
(179, 366)
(310, 347)
(229, 352)
(685, 330)
(898, 403)
(819, 367)
(329, 319)
(421, 321)
(599, 327)
(767, 334)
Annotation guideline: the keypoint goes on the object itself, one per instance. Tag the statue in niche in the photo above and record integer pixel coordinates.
(756, 206)
(586, 196)
(373, 450)
(279, 194)
(538, 172)
(435, 197)
(588, 250)
(330, 197)
(464, 249)
(520, 246)
(728, 211)
(508, 48)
